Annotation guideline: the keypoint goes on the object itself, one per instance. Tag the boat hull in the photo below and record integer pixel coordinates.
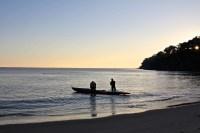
(102, 92)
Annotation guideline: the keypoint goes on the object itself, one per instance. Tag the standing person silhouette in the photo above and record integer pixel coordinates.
(93, 88)
(112, 84)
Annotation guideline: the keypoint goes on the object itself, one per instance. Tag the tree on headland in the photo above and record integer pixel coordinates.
(183, 57)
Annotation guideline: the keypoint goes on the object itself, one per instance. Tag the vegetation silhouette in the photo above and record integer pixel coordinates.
(183, 57)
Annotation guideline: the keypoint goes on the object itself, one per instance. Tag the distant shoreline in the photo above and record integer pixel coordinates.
(183, 57)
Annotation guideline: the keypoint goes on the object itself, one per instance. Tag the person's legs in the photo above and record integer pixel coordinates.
(113, 89)
(92, 91)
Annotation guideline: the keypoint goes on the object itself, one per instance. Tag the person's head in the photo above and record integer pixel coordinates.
(111, 79)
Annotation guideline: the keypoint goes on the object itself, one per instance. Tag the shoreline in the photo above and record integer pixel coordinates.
(176, 118)
(12, 120)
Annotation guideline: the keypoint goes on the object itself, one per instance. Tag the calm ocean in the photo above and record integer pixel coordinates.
(36, 95)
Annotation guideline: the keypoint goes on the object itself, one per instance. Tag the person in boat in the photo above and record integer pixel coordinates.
(93, 88)
(113, 86)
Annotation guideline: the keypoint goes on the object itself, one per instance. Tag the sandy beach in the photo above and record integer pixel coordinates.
(177, 119)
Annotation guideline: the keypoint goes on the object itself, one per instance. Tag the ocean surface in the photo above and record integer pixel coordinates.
(41, 94)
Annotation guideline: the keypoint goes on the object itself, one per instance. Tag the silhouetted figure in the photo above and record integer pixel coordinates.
(93, 88)
(112, 84)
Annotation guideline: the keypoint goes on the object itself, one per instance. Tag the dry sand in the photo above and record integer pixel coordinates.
(176, 119)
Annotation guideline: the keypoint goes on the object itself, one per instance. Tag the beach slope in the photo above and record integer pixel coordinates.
(177, 119)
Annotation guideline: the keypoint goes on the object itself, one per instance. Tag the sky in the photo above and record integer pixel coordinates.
(92, 33)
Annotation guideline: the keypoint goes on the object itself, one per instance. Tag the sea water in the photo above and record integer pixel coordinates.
(45, 94)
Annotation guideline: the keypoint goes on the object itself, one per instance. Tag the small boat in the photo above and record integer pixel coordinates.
(103, 92)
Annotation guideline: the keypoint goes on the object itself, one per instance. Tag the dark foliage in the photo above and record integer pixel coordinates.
(184, 57)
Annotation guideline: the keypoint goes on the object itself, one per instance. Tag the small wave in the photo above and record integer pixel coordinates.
(142, 95)
(16, 114)
(137, 106)
(164, 99)
(37, 103)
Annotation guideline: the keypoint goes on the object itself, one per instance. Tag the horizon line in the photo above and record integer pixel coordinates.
(71, 67)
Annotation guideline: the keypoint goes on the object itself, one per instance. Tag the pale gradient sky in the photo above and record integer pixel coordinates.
(92, 33)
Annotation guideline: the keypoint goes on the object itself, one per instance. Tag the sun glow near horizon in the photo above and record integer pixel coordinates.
(92, 34)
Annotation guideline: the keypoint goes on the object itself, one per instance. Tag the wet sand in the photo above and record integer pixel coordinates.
(176, 119)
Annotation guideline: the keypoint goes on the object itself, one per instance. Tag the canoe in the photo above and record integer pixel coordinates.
(103, 92)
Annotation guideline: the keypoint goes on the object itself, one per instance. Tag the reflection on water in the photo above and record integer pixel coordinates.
(93, 106)
(112, 99)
